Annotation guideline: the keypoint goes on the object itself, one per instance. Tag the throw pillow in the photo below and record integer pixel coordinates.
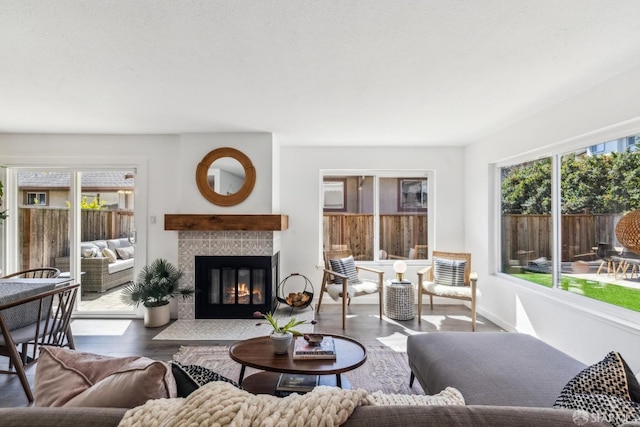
(449, 272)
(346, 266)
(71, 378)
(604, 390)
(191, 377)
(125, 253)
(109, 254)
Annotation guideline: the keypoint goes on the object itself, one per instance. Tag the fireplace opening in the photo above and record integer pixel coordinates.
(234, 287)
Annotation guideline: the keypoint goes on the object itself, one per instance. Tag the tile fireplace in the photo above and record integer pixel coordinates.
(227, 244)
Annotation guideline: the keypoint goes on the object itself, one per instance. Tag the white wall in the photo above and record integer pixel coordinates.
(165, 182)
(300, 198)
(575, 325)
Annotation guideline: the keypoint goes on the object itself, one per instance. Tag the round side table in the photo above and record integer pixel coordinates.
(399, 300)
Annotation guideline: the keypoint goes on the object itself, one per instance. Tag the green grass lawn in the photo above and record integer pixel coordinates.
(607, 292)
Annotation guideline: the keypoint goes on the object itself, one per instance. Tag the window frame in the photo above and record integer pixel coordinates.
(555, 151)
(400, 174)
(27, 194)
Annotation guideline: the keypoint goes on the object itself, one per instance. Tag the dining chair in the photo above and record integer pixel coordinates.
(31, 321)
(35, 273)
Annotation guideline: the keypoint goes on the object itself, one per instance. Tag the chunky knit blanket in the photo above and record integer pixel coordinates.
(221, 404)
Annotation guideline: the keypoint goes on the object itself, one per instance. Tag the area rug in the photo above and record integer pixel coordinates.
(232, 329)
(385, 369)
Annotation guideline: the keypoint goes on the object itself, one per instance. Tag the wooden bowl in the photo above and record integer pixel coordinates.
(313, 339)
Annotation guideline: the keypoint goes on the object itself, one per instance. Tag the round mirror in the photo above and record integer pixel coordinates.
(225, 176)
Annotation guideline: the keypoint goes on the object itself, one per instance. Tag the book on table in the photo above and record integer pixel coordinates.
(325, 350)
(298, 383)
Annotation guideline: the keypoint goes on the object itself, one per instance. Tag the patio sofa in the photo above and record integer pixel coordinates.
(100, 272)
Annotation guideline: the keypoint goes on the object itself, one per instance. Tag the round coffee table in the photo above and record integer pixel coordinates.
(258, 353)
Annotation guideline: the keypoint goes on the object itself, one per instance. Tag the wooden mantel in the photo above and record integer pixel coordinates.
(255, 222)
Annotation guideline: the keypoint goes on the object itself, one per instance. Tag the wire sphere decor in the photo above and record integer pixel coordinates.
(628, 231)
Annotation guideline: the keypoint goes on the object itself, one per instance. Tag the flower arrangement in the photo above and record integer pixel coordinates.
(288, 327)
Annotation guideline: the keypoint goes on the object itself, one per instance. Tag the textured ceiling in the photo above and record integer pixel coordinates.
(434, 72)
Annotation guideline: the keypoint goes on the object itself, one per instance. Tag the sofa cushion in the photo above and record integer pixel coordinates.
(120, 265)
(125, 253)
(122, 242)
(88, 250)
(603, 389)
(71, 378)
(110, 255)
(100, 244)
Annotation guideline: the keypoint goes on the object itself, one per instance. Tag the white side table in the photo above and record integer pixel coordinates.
(399, 300)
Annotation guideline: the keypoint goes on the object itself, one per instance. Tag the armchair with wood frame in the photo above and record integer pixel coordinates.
(341, 279)
(31, 321)
(449, 276)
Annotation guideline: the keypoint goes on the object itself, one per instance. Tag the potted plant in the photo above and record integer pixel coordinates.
(157, 283)
(281, 335)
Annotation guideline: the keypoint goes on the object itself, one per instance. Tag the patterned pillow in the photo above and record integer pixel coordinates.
(346, 266)
(604, 391)
(449, 272)
(191, 377)
(125, 253)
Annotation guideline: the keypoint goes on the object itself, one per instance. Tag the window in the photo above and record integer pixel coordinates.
(375, 215)
(596, 191)
(39, 199)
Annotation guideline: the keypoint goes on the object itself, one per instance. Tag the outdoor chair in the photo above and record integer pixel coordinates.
(28, 321)
(449, 276)
(35, 273)
(341, 279)
(604, 253)
(627, 260)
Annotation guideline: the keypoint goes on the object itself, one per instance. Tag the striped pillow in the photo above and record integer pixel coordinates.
(449, 272)
(345, 266)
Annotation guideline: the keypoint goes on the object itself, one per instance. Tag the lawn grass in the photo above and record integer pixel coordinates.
(621, 296)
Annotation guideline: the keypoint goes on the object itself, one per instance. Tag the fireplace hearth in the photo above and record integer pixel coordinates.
(234, 287)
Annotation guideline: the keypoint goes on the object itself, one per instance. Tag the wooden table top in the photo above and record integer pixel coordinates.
(258, 353)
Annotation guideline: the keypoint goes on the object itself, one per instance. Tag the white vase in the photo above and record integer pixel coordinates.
(281, 341)
(157, 316)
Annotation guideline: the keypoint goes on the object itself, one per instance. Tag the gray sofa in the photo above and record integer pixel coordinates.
(364, 416)
(99, 273)
(506, 379)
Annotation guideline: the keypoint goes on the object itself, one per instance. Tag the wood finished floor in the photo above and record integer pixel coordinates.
(138, 340)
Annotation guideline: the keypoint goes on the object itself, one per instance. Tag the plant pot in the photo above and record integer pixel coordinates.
(281, 341)
(157, 316)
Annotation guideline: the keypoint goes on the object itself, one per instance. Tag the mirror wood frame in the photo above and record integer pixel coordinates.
(220, 199)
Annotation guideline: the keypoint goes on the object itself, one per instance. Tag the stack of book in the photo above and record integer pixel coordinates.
(295, 383)
(325, 350)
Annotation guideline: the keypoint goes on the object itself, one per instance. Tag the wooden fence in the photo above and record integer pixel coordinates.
(44, 232)
(526, 237)
(398, 233)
